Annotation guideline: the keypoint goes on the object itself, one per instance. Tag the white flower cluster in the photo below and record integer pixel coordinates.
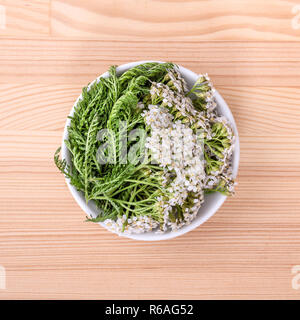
(183, 105)
(137, 224)
(176, 82)
(175, 147)
(208, 94)
(225, 171)
(171, 99)
(200, 120)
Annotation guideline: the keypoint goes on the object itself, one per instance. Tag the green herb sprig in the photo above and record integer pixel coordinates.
(119, 189)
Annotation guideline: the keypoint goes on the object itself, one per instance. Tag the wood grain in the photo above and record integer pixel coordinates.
(45, 107)
(209, 20)
(161, 19)
(50, 49)
(81, 61)
(25, 18)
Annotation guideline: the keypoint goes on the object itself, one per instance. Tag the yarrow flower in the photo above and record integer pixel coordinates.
(173, 143)
(187, 152)
(138, 224)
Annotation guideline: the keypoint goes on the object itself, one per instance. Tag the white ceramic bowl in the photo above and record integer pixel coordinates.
(212, 202)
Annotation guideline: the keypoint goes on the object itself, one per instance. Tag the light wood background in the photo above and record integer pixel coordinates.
(50, 49)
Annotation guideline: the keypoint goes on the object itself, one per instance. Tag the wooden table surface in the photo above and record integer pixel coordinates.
(50, 49)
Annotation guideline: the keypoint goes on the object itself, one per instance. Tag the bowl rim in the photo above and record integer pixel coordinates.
(152, 236)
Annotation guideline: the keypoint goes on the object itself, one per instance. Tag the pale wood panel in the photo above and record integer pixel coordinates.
(259, 111)
(79, 62)
(134, 19)
(213, 20)
(263, 110)
(36, 106)
(160, 285)
(25, 18)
